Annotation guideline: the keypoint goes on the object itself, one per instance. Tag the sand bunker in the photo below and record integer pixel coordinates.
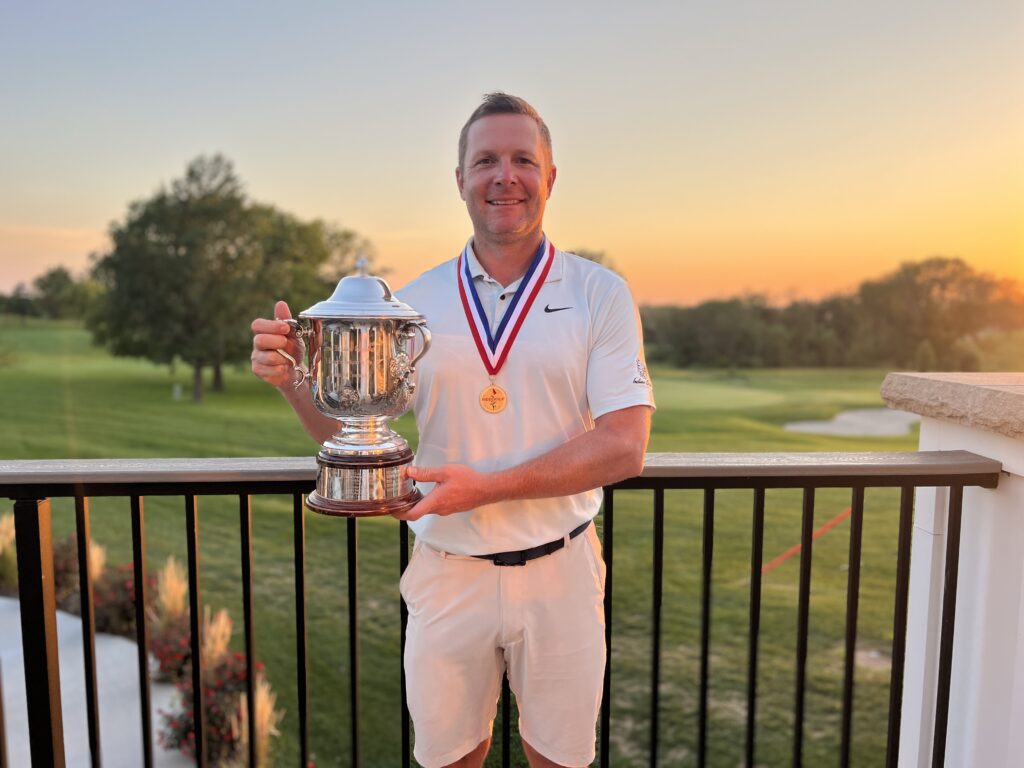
(861, 422)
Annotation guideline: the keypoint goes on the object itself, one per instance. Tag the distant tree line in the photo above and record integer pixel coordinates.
(927, 315)
(189, 268)
(190, 265)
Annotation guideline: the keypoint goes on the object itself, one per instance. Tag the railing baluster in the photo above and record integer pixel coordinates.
(506, 723)
(806, 537)
(353, 634)
(403, 612)
(956, 497)
(301, 638)
(245, 539)
(899, 626)
(606, 696)
(756, 557)
(705, 623)
(39, 631)
(141, 630)
(852, 602)
(195, 605)
(657, 578)
(88, 627)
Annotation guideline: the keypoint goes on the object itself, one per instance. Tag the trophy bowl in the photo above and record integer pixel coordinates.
(361, 348)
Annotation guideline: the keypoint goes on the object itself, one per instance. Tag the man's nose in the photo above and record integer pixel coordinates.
(506, 172)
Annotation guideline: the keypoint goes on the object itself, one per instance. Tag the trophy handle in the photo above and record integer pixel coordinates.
(425, 334)
(300, 374)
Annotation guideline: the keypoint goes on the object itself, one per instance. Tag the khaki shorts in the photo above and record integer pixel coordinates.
(470, 621)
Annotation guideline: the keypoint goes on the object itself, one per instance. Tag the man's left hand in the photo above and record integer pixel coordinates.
(457, 488)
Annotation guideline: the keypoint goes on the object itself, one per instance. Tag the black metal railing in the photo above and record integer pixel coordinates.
(32, 483)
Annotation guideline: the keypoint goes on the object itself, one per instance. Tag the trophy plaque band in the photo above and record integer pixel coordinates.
(363, 486)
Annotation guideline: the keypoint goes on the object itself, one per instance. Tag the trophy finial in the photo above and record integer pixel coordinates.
(361, 264)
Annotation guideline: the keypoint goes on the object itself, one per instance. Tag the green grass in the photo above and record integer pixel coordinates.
(64, 398)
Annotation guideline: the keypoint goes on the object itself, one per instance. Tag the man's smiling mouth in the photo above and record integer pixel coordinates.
(504, 202)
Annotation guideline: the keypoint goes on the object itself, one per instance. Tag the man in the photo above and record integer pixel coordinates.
(534, 395)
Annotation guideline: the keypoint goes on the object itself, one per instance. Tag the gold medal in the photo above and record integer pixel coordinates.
(493, 399)
(493, 349)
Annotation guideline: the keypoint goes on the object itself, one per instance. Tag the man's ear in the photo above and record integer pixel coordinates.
(458, 181)
(551, 179)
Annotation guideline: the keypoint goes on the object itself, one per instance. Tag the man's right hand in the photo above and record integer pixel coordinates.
(268, 337)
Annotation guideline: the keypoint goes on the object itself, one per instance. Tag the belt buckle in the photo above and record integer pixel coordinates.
(509, 558)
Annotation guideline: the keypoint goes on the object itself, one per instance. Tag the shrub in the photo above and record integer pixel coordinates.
(224, 677)
(114, 600)
(66, 584)
(223, 688)
(65, 569)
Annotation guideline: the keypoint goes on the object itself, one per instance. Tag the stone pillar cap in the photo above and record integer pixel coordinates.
(993, 402)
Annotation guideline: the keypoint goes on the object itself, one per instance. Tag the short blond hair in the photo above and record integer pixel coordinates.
(499, 103)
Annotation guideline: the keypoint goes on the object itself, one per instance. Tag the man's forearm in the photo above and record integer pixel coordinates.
(613, 451)
(317, 426)
(590, 460)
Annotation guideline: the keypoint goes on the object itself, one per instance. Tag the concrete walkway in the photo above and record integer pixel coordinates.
(118, 693)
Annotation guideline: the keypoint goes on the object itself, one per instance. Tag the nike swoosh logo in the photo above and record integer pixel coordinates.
(549, 308)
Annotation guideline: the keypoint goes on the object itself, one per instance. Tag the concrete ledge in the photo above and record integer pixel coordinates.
(993, 402)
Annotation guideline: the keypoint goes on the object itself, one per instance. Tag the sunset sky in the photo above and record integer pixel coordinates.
(711, 149)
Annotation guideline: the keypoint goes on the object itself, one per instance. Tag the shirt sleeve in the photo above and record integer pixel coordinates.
(616, 369)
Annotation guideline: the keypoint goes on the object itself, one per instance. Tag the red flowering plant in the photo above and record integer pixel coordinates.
(170, 644)
(114, 600)
(223, 691)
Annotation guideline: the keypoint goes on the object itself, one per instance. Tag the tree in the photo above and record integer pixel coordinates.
(191, 265)
(21, 303)
(59, 295)
(940, 301)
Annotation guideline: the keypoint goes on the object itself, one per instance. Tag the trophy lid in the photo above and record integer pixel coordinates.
(361, 295)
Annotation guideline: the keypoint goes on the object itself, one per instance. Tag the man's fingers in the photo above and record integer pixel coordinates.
(425, 474)
(281, 311)
(269, 341)
(275, 327)
(425, 507)
(275, 373)
(410, 514)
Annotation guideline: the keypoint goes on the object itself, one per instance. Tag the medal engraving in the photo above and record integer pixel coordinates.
(493, 399)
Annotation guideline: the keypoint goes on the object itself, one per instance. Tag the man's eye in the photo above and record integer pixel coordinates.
(485, 161)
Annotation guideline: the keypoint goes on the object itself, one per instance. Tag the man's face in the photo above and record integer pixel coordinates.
(506, 177)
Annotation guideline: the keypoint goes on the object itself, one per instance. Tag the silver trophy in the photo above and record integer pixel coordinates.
(361, 346)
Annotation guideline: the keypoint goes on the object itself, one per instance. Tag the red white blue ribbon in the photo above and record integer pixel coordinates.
(494, 347)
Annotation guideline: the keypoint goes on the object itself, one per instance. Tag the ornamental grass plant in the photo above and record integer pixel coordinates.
(8, 556)
(268, 717)
(171, 602)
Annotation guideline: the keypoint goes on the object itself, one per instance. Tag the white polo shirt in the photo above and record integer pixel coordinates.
(579, 355)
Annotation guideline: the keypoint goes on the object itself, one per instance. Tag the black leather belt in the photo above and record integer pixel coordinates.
(521, 556)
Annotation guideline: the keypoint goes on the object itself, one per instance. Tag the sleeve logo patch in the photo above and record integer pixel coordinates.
(641, 377)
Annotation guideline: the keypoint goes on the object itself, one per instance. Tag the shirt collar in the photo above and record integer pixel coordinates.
(477, 271)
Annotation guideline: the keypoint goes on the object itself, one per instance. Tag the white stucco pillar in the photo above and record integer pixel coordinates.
(984, 414)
